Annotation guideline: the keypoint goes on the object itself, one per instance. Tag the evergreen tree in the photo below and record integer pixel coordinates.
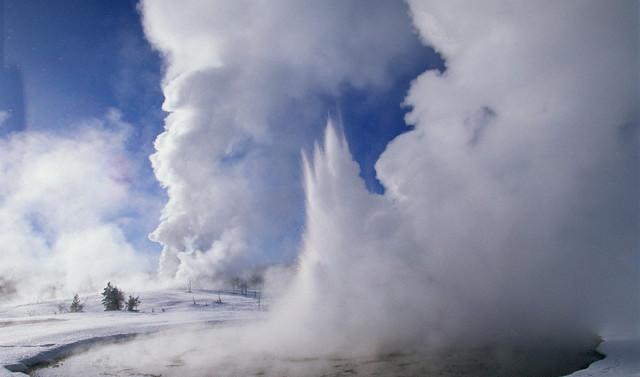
(76, 306)
(132, 304)
(112, 298)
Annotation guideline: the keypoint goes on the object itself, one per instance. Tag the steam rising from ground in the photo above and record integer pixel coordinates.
(65, 200)
(511, 209)
(247, 84)
(520, 181)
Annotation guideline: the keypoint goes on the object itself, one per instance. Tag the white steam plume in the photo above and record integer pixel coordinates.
(246, 85)
(511, 211)
(522, 173)
(65, 201)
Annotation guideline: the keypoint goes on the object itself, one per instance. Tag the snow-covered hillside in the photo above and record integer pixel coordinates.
(37, 333)
(623, 360)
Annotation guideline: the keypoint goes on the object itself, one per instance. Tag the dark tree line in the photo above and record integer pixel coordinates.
(113, 299)
(255, 281)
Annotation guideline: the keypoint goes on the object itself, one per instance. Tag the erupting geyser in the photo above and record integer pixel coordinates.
(510, 210)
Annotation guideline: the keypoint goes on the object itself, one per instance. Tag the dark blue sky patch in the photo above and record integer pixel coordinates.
(12, 118)
(80, 58)
(372, 117)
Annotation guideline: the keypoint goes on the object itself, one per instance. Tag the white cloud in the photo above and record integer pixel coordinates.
(4, 116)
(538, 204)
(62, 200)
(511, 210)
(245, 85)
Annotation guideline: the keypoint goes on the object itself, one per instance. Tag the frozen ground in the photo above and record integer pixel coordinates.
(38, 333)
(623, 360)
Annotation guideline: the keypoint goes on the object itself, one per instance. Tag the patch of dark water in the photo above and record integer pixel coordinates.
(538, 361)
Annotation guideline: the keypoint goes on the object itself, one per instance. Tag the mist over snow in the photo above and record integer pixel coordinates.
(65, 201)
(510, 211)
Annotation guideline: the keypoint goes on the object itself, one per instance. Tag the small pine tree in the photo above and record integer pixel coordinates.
(112, 298)
(76, 306)
(132, 303)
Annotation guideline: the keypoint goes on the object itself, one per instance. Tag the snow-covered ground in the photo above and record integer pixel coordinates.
(622, 360)
(36, 333)
(39, 333)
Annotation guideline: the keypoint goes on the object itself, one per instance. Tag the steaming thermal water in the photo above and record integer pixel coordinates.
(110, 360)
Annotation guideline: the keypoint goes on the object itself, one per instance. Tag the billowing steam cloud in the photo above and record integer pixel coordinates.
(521, 176)
(248, 85)
(65, 201)
(511, 210)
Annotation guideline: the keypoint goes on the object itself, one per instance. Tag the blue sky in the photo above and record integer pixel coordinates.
(80, 58)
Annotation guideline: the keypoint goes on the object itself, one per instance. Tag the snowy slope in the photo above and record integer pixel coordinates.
(622, 360)
(37, 332)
